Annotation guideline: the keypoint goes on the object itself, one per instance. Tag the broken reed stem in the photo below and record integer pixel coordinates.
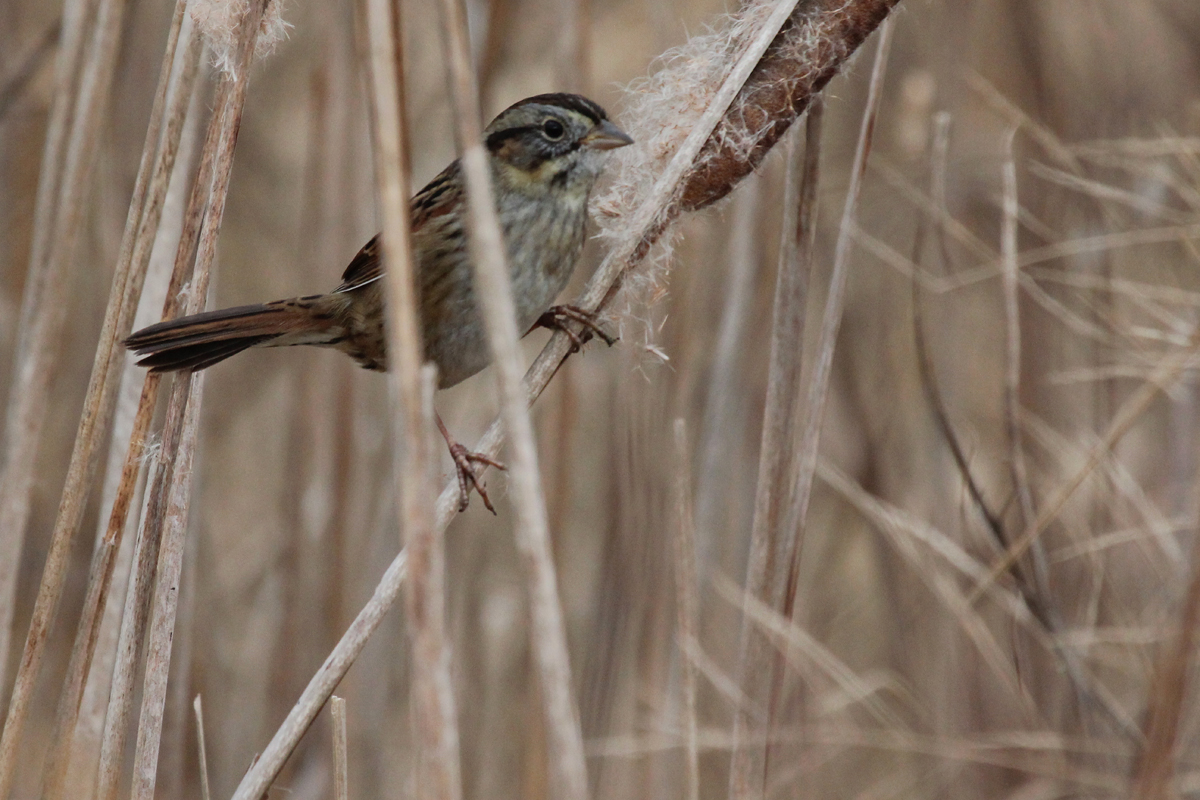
(202, 747)
(434, 711)
(141, 229)
(341, 760)
(856, 20)
(171, 495)
(748, 765)
(485, 243)
(36, 362)
(686, 606)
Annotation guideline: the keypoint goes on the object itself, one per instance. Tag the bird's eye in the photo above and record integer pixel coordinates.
(553, 129)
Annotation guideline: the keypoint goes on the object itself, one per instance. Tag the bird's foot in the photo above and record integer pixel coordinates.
(557, 317)
(464, 460)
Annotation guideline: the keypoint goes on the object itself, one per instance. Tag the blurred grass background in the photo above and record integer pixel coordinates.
(293, 520)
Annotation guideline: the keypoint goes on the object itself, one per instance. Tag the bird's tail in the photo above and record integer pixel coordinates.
(201, 340)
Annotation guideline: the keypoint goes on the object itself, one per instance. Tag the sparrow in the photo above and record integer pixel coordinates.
(545, 154)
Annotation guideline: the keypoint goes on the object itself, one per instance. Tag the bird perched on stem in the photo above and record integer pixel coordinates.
(545, 153)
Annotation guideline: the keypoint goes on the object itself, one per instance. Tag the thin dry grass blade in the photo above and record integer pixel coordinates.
(686, 605)
(202, 747)
(486, 245)
(341, 777)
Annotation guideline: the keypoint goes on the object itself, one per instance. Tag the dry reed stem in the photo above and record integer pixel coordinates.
(435, 717)
(769, 544)
(748, 769)
(686, 605)
(341, 759)
(166, 597)
(434, 710)
(1168, 689)
(21, 424)
(138, 597)
(19, 443)
(202, 747)
(835, 44)
(36, 366)
(171, 495)
(141, 229)
(485, 243)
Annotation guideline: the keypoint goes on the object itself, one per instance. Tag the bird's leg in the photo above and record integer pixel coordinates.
(463, 458)
(556, 318)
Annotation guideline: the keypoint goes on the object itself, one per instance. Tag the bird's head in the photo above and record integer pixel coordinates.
(551, 142)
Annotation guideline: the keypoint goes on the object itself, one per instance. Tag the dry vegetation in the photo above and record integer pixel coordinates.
(968, 530)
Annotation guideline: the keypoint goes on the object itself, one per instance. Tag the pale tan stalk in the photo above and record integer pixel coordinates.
(341, 777)
(686, 606)
(434, 710)
(36, 366)
(166, 596)
(435, 718)
(650, 219)
(202, 748)
(486, 246)
(747, 774)
(167, 518)
(145, 213)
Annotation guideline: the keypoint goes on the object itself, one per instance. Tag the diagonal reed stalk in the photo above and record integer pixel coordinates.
(781, 70)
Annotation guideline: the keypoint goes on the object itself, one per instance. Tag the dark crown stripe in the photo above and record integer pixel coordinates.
(573, 102)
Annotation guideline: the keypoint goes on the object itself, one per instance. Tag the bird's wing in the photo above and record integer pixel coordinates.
(440, 196)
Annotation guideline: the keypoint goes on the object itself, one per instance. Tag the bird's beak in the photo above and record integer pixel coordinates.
(606, 136)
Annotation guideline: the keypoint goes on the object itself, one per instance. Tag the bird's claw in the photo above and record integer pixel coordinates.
(463, 460)
(556, 317)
